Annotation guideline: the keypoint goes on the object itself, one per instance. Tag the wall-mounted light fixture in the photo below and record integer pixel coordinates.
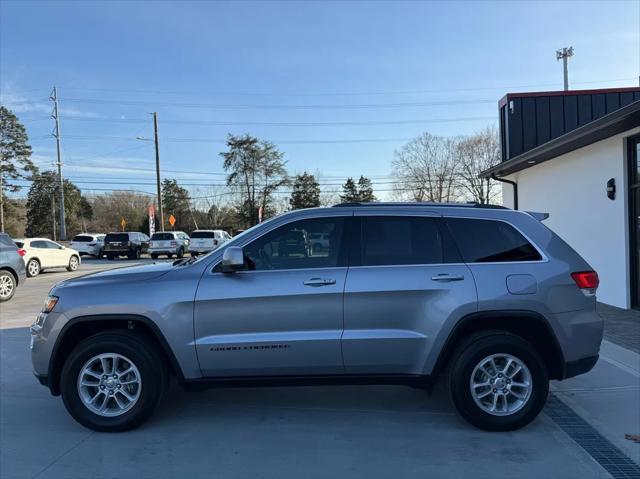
(611, 189)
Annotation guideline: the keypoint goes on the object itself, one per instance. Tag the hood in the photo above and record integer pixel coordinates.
(128, 273)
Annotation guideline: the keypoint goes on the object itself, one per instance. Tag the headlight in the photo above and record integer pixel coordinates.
(50, 303)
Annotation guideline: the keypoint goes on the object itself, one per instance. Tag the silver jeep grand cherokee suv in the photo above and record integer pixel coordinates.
(403, 294)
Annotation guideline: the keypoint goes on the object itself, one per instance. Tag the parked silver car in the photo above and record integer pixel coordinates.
(404, 293)
(169, 243)
(12, 269)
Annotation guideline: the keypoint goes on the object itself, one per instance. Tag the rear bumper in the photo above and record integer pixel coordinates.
(579, 366)
(172, 250)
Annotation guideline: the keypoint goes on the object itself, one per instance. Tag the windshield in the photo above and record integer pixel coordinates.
(116, 237)
(82, 238)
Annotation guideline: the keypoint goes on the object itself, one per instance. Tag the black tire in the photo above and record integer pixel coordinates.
(142, 353)
(135, 254)
(34, 270)
(471, 353)
(194, 254)
(180, 253)
(99, 256)
(154, 256)
(8, 285)
(110, 257)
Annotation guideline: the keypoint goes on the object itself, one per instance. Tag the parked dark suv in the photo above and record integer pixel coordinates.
(130, 243)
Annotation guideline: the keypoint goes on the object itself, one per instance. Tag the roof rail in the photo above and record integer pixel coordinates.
(419, 203)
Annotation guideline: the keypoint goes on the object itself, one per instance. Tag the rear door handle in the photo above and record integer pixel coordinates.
(319, 282)
(447, 277)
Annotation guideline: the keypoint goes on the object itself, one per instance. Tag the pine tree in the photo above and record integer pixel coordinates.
(365, 190)
(349, 192)
(15, 156)
(306, 192)
(176, 202)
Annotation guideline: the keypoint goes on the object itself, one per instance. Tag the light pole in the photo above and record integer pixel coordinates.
(564, 55)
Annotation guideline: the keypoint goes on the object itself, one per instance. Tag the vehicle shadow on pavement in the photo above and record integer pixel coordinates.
(323, 431)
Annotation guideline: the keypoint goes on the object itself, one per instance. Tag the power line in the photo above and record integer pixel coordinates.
(288, 124)
(224, 140)
(216, 106)
(352, 93)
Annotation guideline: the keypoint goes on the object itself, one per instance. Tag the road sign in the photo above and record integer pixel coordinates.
(123, 223)
(152, 220)
(172, 220)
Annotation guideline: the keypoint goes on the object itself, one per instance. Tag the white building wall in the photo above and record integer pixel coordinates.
(572, 189)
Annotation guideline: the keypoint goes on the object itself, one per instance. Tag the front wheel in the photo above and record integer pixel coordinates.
(113, 381)
(498, 381)
(180, 253)
(74, 263)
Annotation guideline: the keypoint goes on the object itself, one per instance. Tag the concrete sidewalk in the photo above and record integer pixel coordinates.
(608, 397)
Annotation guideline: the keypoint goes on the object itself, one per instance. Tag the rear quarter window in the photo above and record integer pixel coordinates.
(490, 241)
(203, 234)
(83, 239)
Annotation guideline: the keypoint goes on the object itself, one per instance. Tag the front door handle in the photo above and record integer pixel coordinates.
(447, 277)
(319, 282)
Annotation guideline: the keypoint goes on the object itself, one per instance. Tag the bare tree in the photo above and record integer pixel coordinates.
(478, 153)
(425, 169)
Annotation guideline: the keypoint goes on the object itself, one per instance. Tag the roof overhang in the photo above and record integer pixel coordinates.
(621, 120)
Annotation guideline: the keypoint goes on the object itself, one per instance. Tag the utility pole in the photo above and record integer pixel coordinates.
(155, 136)
(564, 55)
(56, 116)
(53, 217)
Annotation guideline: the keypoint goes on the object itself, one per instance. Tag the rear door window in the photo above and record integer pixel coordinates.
(400, 240)
(490, 241)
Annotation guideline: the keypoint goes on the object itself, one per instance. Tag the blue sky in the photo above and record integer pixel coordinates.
(337, 85)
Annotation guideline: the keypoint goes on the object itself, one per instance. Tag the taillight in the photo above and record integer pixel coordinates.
(21, 252)
(587, 281)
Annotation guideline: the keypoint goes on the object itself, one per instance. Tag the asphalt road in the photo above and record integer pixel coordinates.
(372, 432)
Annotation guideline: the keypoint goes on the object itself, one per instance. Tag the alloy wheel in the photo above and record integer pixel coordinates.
(6, 286)
(34, 267)
(109, 384)
(501, 384)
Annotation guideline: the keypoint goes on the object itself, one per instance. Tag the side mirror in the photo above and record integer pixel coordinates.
(232, 259)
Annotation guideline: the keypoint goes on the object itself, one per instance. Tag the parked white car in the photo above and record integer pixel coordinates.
(42, 253)
(88, 243)
(203, 241)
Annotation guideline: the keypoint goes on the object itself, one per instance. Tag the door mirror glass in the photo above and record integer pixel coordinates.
(232, 259)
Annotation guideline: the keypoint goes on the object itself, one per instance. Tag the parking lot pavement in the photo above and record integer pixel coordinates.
(355, 431)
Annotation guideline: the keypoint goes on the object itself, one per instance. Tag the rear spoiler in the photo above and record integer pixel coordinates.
(538, 216)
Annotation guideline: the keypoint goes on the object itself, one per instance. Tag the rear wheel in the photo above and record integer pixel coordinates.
(7, 285)
(33, 268)
(498, 381)
(74, 263)
(113, 381)
(154, 256)
(110, 257)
